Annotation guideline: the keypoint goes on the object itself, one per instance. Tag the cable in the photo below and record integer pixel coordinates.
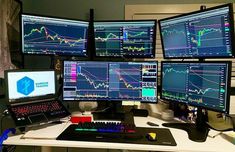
(215, 135)
(3, 115)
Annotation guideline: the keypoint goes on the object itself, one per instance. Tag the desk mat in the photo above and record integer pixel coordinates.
(164, 136)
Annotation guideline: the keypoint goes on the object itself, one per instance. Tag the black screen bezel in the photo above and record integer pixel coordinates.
(231, 18)
(229, 63)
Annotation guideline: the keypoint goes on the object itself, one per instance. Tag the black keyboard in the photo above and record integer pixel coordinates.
(110, 134)
(37, 112)
(105, 127)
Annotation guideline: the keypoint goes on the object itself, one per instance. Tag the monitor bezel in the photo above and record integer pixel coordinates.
(51, 54)
(29, 99)
(231, 17)
(129, 56)
(229, 64)
(109, 100)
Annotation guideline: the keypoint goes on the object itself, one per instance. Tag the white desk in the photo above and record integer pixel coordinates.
(217, 144)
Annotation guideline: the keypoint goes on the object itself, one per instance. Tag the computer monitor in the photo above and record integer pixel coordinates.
(25, 85)
(110, 81)
(201, 84)
(206, 33)
(133, 38)
(53, 36)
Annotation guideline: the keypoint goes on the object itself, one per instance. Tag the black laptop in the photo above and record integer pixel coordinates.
(32, 97)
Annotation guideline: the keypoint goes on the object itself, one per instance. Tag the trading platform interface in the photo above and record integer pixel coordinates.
(129, 38)
(110, 81)
(201, 34)
(199, 84)
(44, 35)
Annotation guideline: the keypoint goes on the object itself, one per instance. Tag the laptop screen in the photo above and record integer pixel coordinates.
(29, 84)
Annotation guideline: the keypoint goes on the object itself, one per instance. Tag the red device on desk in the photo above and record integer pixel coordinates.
(80, 119)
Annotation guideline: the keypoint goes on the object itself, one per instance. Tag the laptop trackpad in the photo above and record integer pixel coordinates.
(38, 118)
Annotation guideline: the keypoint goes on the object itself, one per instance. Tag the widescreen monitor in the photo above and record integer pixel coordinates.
(207, 33)
(29, 84)
(204, 84)
(110, 81)
(53, 36)
(133, 38)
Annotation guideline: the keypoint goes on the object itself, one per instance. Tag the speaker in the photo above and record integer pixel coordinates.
(88, 106)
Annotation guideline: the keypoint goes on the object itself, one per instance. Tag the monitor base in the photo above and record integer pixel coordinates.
(119, 116)
(140, 112)
(194, 133)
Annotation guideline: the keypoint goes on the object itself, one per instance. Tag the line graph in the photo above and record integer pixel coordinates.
(172, 70)
(125, 81)
(200, 84)
(205, 36)
(210, 36)
(174, 36)
(44, 31)
(134, 49)
(136, 33)
(91, 83)
(113, 39)
(89, 80)
(108, 37)
(107, 40)
(54, 38)
(206, 83)
(174, 81)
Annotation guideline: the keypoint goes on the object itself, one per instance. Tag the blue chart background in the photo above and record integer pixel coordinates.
(175, 39)
(92, 79)
(38, 41)
(174, 80)
(131, 75)
(111, 45)
(132, 38)
(206, 85)
(211, 41)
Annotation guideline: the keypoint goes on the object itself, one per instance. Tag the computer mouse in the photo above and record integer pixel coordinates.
(152, 124)
(151, 136)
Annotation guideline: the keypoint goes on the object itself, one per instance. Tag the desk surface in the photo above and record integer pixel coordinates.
(217, 144)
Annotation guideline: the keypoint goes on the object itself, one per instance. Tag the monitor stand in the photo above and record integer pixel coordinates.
(196, 131)
(113, 112)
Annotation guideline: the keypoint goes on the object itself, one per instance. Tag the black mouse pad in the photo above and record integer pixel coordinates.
(164, 136)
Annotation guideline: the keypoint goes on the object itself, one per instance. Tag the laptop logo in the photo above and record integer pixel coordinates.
(25, 86)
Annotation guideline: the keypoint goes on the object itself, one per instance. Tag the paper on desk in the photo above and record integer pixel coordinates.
(48, 132)
(130, 103)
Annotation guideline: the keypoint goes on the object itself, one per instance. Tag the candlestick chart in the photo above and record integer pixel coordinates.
(47, 38)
